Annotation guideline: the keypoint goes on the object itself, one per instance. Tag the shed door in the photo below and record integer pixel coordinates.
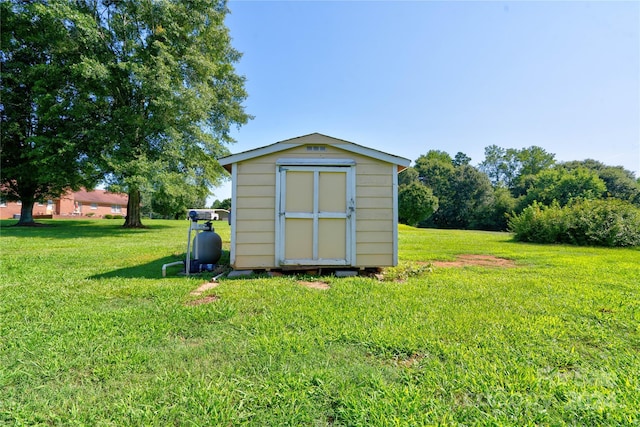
(315, 220)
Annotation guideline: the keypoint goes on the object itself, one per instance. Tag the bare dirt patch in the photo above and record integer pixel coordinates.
(206, 300)
(204, 287)
(315, 285)
(476, 260)
(409, 361)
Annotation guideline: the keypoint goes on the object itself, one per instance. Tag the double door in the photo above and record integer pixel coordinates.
(315, 222)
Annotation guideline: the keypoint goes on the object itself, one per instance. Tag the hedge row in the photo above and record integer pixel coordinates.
(609, 222)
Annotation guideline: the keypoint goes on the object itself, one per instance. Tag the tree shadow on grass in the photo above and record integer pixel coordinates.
(73, 229)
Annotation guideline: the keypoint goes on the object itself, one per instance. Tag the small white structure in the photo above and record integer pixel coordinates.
(211, 214)
(314, 201)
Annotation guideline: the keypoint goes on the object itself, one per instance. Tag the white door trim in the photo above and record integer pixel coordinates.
(281, 215)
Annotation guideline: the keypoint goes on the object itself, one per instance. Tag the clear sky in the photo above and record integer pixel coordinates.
(409, 77)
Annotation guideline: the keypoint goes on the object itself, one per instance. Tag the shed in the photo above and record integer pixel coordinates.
(314, 201)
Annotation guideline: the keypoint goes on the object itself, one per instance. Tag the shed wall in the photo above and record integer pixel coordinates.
(254, 192)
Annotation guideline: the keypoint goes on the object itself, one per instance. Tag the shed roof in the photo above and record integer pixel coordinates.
(314, 138)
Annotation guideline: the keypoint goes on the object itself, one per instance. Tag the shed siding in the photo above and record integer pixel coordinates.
(374, 213)
(255, 200)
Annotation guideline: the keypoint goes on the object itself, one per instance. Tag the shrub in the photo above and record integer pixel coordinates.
(108, 216)
(609, 222)
(416, 202)
(538, 223)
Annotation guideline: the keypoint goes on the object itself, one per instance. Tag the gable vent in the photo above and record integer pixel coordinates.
(316, 148)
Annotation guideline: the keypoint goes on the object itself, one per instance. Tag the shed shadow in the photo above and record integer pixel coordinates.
(153, 269)
(150, 270)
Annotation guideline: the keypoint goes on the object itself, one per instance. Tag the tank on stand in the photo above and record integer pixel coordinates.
(207, 244)
(205, 249)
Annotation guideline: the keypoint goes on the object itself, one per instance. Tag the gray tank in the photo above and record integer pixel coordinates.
(208, 246)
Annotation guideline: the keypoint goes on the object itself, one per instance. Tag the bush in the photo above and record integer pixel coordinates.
(538, 223)
(109, 216)
(609, 222)
(416, 202)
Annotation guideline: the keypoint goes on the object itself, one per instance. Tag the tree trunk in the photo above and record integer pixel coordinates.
(132, 220)
(26, 213)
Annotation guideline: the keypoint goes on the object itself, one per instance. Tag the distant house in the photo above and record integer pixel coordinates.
(95, 203)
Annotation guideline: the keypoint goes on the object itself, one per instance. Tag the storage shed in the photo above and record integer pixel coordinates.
(314, 201)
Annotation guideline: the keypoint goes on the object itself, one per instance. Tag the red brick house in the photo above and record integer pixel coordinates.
(95, 203)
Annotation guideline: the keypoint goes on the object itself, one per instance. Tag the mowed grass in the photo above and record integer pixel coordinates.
(91, 334)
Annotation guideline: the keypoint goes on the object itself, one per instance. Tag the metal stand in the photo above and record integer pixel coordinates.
(194, 226)
(195, 215)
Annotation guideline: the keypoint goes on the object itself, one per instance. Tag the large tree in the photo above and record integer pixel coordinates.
(563, 186)
(173, 93)
(512, 168)
(464, 194)
(621, 183)
(171, 196)
(46, 107)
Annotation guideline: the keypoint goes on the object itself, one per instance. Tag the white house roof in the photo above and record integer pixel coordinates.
(314, 138)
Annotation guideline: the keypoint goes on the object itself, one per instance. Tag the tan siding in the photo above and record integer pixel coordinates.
(371, 202)
(261, 179)
(261, 225)
(256, 166)
(380, 192)
(373, 225)
(374, 215)
(373, 248)
(380, 214)
(375, 237)
(330, 153)
(256, 203)
(374, 180)
(248, 261)
(256, 191)
(254, 248)
(373, 168)
(375, 260)
(255, 217)
(254, 214)
(256, 237)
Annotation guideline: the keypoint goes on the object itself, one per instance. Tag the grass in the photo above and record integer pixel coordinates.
(91, 334)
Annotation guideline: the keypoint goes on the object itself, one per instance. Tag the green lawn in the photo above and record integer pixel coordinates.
(91, 334)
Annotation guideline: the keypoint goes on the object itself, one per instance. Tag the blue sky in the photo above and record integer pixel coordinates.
(409, 77)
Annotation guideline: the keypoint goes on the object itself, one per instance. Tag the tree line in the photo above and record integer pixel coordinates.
(137, 95)
(444, 192)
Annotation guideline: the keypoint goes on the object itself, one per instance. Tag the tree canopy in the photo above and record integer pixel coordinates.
(174, 95)
(511, 167)
(141, 95)
(47, 143)
(506, 183)
(620, 183)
